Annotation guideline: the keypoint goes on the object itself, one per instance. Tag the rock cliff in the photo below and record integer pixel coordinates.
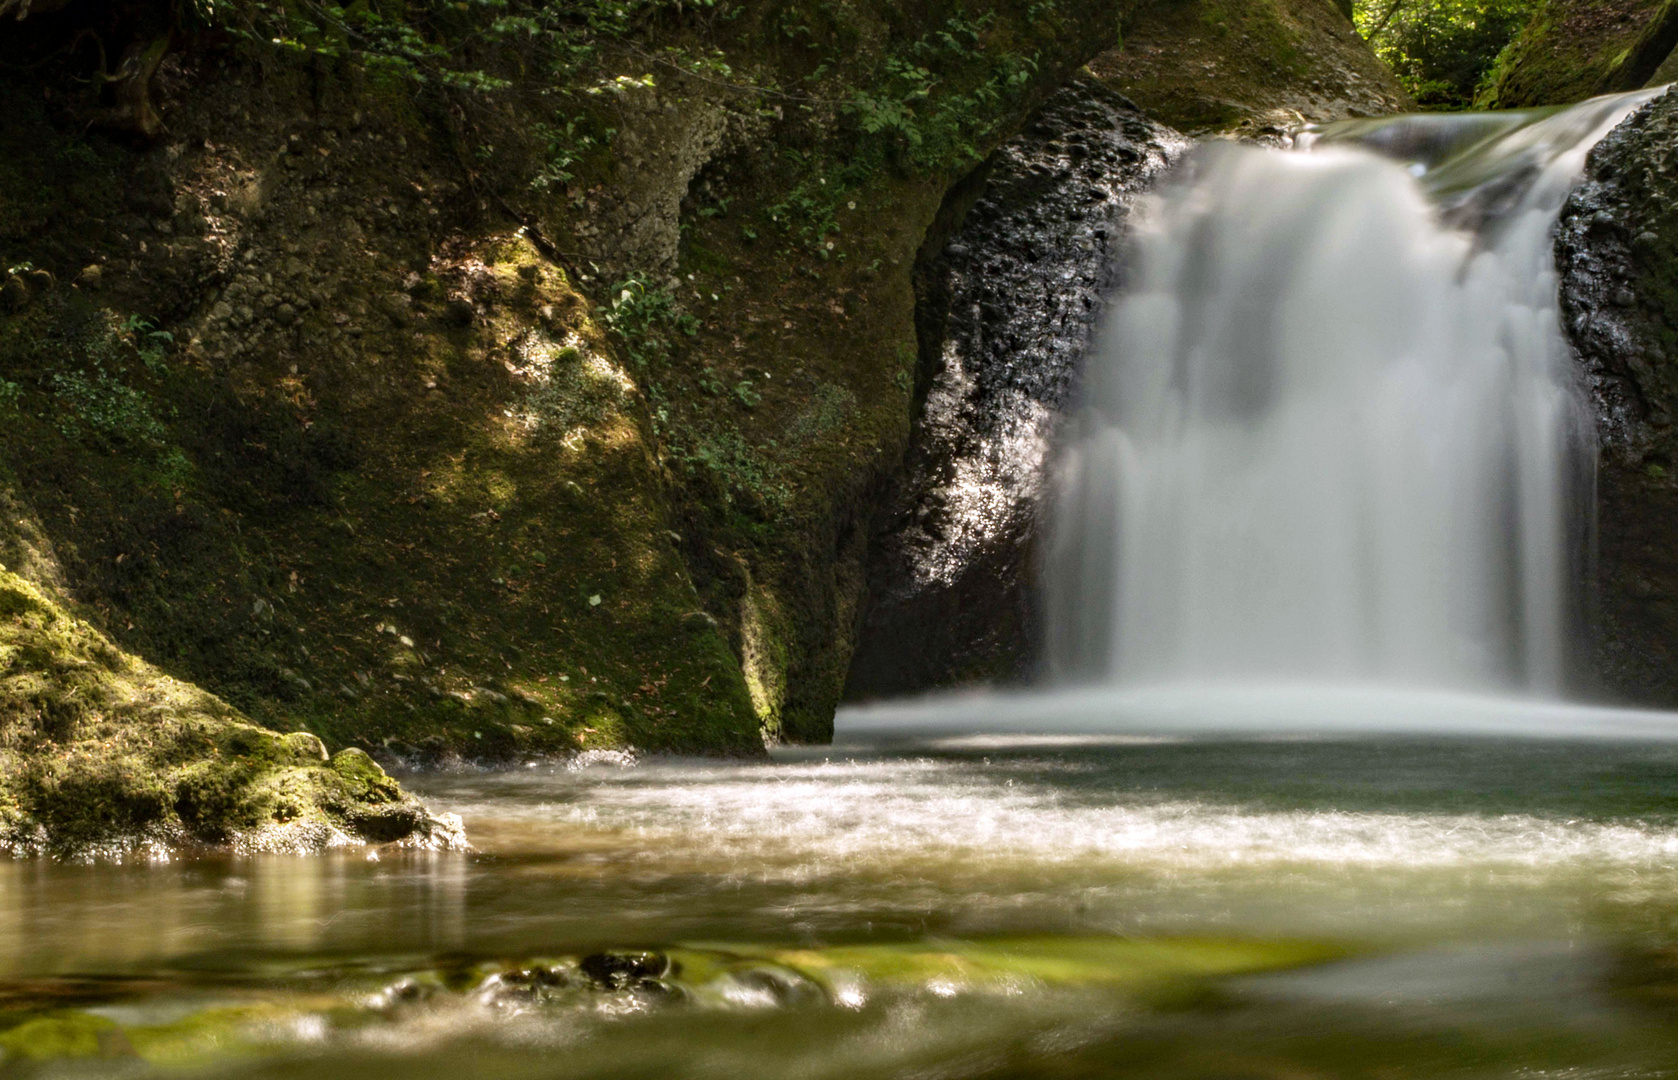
(503, 383)
(1617, 250)
(477, 399)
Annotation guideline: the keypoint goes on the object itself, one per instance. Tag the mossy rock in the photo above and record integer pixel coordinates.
(1256, 67)
(1574, 49)
(100, 750)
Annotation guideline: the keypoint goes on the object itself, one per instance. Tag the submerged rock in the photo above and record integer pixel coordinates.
(614, 971)
(1006, 306)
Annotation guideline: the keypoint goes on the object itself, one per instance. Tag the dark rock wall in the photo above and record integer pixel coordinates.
(1006, 307)
(1617, 250)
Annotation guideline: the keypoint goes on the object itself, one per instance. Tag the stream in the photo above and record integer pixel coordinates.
(962, 907)
(1330, 436)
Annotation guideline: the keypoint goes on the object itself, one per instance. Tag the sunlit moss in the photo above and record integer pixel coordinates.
(99, 748)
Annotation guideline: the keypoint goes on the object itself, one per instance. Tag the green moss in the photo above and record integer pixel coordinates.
(63, 1035)
(1215, 65)
(1148, 967)
(98, 748)
(1573, 49)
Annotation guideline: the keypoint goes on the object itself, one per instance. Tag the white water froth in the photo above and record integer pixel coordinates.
(1329, 435)
(804, 821)
(1247, 709)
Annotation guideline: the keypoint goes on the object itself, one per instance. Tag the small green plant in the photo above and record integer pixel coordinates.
(568, 145)
(936, 101)
(645, 318)
(746, 394)
(10, 393)
(809, 213)
(744, 474)
(152, 344)
(99, 404)
(109, 409)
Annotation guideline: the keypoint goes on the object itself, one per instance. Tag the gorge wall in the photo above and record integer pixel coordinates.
(542, 402)
(538, 409)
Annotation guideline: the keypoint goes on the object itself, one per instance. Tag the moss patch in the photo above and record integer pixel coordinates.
(1573, 49)
(1255, 66)
(98, 749)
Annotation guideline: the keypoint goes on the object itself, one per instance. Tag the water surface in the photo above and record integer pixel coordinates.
(986, 906)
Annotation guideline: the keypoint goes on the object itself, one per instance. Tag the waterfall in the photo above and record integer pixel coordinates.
(1331, 431)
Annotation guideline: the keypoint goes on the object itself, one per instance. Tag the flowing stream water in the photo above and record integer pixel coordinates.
(1306, 806)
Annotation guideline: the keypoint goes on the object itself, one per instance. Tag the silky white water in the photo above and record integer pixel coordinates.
(1331, 432)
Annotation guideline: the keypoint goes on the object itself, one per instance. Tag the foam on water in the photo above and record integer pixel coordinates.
(850, 816)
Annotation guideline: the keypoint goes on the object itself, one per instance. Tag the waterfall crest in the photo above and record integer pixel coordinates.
(1331, 431)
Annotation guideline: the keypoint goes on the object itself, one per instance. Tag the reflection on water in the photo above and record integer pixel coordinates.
(973, 907)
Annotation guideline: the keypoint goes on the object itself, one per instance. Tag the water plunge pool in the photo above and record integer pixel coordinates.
(978, 906)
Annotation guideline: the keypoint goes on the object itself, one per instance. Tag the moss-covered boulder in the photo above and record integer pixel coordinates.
(1252, 67)
(101, 752)
(1575, 49)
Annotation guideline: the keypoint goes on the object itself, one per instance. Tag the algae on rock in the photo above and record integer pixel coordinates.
(1249, 67)
(100, 751)
(1574, 49)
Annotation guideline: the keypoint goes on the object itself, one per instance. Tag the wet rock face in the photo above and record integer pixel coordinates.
(1617, 250)
(1006, 307)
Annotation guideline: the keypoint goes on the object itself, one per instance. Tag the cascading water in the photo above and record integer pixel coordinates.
(1331, 430)
(1333, 472)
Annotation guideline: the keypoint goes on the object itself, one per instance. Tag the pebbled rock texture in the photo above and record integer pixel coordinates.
(1617, 251)
(1006, 306)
